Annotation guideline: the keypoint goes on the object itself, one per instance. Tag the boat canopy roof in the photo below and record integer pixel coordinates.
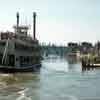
(21, 27)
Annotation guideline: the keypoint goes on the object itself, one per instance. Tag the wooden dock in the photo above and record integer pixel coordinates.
(87, 64)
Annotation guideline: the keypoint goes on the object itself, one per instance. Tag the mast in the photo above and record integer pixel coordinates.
(34, 25)
(17, 15)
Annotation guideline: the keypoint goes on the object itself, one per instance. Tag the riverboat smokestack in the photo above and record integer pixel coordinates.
(34, 25)
(17, 15)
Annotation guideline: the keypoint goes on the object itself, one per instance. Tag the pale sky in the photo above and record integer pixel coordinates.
(58, 21)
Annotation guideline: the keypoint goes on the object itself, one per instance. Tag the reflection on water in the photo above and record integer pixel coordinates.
(72, 60)
(58, 80)
(15, 85)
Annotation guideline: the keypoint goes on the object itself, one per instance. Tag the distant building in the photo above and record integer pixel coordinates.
(86, 47)
(72, 44)
(72, 49)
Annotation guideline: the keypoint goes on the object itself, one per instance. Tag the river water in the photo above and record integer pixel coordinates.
(58, 79)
